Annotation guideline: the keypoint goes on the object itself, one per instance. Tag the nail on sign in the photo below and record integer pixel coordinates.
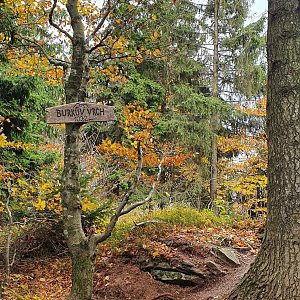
(80, 112)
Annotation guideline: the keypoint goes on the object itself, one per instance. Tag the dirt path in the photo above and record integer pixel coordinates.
(119, 275)
(223, 286)
(125, 281)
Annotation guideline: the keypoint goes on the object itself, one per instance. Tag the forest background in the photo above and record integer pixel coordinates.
(168, 74)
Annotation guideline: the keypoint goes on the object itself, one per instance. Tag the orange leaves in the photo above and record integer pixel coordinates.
(176, 160)
(117, 149)
(138, 124)
(131, 7)
(259, 110)
(137, 115)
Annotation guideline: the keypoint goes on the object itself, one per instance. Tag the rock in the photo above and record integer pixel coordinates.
(157, 266)
(174, 277)
(190, 270)
(227, 255)
(215, 269)
(180, 274)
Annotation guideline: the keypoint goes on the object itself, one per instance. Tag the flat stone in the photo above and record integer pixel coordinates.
(227, 255)
(178, 278)
(180, 274)
(214, 268)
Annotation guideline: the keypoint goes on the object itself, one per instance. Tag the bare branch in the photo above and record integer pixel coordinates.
(148, 198)
(108, 32)
(101, 22)
(56, 25)
(95, 239)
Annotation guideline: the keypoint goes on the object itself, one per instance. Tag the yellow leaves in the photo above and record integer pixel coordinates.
(137, 125)
(3, 142)
(87, 205)
(134, 144)
(156, 52)
(2, 206)
(101, 50)
(32, 64)
(155, 36)
(242, 168)
(120, 44)
(154, 17)
(40, 204)
(40, 193)
(45, 187)
(113, 74)
(205, 160)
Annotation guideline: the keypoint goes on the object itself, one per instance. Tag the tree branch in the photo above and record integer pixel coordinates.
(98, 238)
(101, 22)
(108, 32)
(54, 24)
(54, 61)
(148, 198)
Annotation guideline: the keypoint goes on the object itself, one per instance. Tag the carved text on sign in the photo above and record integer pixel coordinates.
(80, 112)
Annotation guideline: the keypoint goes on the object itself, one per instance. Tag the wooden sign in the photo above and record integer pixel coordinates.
(80, 112)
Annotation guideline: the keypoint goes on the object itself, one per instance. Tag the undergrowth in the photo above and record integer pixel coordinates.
(163, 220)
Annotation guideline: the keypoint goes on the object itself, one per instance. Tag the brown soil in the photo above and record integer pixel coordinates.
(123, 280)
(118, 274)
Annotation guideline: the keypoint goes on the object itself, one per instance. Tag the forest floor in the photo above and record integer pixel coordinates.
(120, 271)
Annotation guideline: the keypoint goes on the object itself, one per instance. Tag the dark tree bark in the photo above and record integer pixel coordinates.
(275, 274)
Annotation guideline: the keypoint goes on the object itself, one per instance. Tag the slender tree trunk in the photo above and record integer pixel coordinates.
(82, 253)
(215, 117)
(82, 272)
(275, 274)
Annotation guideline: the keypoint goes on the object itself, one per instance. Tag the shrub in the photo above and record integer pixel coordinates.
(187, 216)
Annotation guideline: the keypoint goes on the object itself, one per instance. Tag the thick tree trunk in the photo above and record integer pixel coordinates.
(275, 273)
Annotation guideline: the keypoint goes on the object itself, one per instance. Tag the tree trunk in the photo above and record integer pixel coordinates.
(215, 117)
(82, 273)
(275, 274)
(82, 254)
